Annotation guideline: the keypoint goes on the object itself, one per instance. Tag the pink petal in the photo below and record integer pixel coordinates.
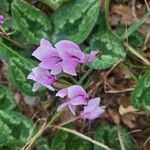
(69, 66)
(43, 77)
(44, 51)
(79, 100)
(62, 106)
(92, 104)
(77, 54)
(49, 63)
(72, 108)
(56, 69)
(49, 80)
(40, 72)
(62, 93)
(31, 76)
(76, 90)
(1, 19)
(44, 42)
(36, 86)
(90, 57)
(64, 45)
(49, 87)
(93, 114)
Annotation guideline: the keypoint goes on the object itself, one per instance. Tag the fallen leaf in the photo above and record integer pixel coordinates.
(124, 110)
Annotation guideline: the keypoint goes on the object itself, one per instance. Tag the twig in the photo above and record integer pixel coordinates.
(133, 9)
(84, 76)
(144, 145)
(132, 50)
(146, 40)
(84, 137)
(30, 143)
(69, 121)
(119, 91)
(147, 5)
(120, 139)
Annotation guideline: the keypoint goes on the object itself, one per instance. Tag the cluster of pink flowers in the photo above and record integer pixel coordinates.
(64, 56)
(1, 19)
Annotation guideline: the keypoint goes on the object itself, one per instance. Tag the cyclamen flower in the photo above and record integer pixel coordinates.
(64, 56)
(76, 96)
(42, 77)
(92, 110)
(1, 19)
(90, 57)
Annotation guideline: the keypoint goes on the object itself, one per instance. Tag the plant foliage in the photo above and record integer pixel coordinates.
(141, 93)
(75, 20)
(15, 130)
(33, 23)
(108, 135)
(66, 141)
(7, 100)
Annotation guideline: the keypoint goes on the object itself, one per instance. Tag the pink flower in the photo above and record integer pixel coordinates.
(92, 110)
(76, 96)
(90, 57)
(1, 19)
(42, 77)
(64, 56)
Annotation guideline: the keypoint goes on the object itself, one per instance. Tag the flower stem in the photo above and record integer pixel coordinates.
(84, 76)
(132, 50)
(30, 143)
(84, 137)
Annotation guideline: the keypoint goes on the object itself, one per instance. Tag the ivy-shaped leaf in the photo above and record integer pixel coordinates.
(6, 52)
(108, 135)
(136, 39)
(4, 6)
(33, 23)
(7, 101)
(54, 4)
(19, 68)
(15, 130)
(66, 141)
(75, 20)
(18, 72)
(111, 48)
(43, 144)
(141, 93)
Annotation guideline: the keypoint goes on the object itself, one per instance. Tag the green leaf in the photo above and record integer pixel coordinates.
(136, 39)
(43, 144)
(19, 68)
(7, 100)
(141, 93)
(4, 6)
(108, 135)
(54, 4)
(111, 48)
(15, 130)
(6, 52)
(107, 5)
(75, 20)
(33, 23)
(18, 72)
(135, 26)
(66, 141)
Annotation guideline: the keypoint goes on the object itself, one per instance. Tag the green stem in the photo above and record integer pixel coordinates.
(84, 137)
(132, 50)
(107, 2)
(53, 4)
(84, 76)
(29, 144)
